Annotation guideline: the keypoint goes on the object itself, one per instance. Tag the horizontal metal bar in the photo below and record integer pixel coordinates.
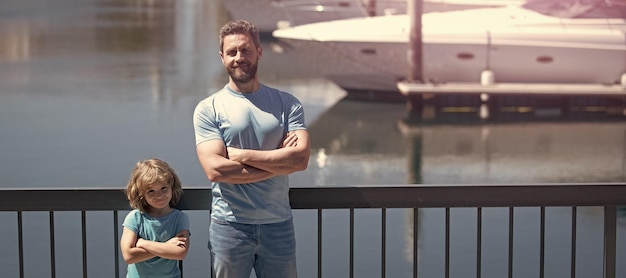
(392, 196)
(88, 199)
(62, 199)
(408, 196)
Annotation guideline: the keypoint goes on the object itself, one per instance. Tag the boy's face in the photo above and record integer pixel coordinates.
(158, 195)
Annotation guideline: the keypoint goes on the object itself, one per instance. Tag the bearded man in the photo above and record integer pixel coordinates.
(249, 138)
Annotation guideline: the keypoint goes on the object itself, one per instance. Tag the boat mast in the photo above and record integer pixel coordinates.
(415, 10)
(370, 6)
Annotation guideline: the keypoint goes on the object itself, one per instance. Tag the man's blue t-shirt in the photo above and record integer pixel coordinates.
(159, 229)
(258, 121)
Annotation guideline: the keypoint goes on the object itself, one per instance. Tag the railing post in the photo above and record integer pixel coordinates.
(53, 272)
(574, 240)
(20, 241)
(116, 246)
(610, 240)
(83, 215)
(319, 243)
(383, 241)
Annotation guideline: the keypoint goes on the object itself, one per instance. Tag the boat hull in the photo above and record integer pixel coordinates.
(539, 51)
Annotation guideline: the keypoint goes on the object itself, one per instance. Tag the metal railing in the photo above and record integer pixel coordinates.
(606, 195)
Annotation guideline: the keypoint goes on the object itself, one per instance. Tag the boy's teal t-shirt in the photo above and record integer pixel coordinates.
(159, 229)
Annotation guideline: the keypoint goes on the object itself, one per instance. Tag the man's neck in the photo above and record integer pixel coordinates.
(244, 88)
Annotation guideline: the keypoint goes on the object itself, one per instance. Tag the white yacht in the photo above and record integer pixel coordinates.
(540, 41)
(269, 15)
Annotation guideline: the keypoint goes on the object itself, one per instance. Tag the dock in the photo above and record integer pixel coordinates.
(415, 88)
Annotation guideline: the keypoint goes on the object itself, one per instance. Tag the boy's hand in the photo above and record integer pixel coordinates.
(178, 240)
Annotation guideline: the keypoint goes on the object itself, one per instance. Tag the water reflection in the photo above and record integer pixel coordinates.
(159, 45)
(356, 142)
(450, 143)
(523, 139)
(108, 73)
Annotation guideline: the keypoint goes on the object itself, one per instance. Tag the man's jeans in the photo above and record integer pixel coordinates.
(238, 248)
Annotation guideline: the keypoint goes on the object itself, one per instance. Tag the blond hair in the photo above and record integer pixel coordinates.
(146, 173)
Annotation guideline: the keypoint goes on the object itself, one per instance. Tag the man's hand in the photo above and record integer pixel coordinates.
(234, 154)
(290, 140)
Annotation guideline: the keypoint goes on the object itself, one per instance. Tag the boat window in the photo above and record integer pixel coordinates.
(579, 8)
(604, 12)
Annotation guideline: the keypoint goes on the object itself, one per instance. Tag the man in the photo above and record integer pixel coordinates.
(249, 137)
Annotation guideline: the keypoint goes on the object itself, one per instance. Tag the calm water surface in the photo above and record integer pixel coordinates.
(89, 87)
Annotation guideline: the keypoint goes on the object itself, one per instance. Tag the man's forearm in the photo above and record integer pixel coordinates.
(221, 169)
(279, 162)
(239, 166)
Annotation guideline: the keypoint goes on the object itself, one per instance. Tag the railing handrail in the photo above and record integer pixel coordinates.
(607, 195)
(328, 197)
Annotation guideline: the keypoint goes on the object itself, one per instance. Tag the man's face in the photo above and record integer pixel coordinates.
(240, 57)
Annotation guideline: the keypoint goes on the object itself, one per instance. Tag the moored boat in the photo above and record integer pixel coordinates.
(268, 15)
(536, 42)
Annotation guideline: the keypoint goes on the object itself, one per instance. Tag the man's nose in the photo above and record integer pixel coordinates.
(239, 57)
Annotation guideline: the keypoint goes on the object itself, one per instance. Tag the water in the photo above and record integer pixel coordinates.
(87, 88)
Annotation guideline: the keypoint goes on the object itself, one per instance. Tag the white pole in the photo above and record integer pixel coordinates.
(414, 53)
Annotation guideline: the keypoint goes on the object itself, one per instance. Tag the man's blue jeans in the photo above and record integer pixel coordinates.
(238, 248)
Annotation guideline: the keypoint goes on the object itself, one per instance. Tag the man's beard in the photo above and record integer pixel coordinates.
(243, 76)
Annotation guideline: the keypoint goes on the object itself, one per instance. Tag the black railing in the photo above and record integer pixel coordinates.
(607, 195)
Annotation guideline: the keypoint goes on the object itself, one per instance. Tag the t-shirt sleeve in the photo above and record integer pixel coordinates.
(204, 123)
(296, 115)
(131, 221)
(183, 223)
